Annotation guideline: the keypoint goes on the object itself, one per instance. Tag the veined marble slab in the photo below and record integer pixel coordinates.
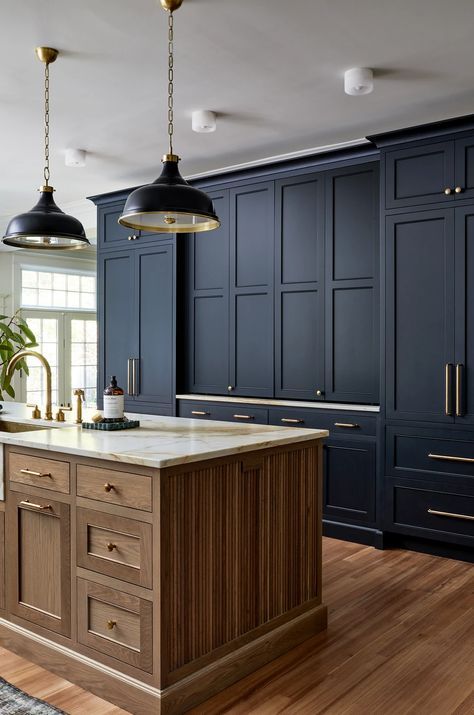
(270, 402)
(160, 441)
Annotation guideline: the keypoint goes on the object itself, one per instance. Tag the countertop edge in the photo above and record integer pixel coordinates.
(274, 402)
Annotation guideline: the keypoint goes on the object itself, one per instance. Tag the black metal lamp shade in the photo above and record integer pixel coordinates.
(169, 205)
(45, 226)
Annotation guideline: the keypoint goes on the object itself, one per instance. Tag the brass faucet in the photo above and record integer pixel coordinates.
(24, 353)
(80, 399)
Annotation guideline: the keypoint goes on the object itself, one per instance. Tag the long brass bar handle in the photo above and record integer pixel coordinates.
(459, 390)
(31, 473)
(136, 377)
(243, 417)
(448, 408)
(466, 517)
(201, 413)
(348, 425)
(451, 458)
(129, 377)
(35, 506)
(292, 421)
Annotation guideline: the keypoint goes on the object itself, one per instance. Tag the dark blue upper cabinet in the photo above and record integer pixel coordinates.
(420, 316)
(464, 352)
(299, 291)
(251, 290)
(464, 168)
(110, 234)
(352, 286)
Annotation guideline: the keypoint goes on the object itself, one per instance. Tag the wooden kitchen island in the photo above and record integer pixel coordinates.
(156, 567)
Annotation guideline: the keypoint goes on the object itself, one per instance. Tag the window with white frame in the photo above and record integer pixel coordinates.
(59, 306)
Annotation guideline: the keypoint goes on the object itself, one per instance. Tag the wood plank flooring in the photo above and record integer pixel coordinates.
(400, 642)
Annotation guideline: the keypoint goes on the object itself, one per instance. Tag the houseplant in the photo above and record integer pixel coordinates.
(15, 335)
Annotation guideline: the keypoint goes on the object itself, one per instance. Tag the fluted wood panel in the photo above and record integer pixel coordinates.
(242, 549)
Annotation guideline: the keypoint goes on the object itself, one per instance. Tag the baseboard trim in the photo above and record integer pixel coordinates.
(352, 532)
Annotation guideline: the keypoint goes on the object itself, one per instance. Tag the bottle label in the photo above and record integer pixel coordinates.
(113, 407)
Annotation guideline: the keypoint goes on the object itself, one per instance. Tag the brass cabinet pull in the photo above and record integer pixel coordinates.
(451, 458)
(108, 487)
(458, 189)
(448, 408)
(459, 368)
(243, 417)
(347, 425)
(466, 517)
(35, 506)
(133, 238)
(111, 546)
(136, 377)
(319, 393)
(31, 473)
(448, 191)
(292, 420)
(111, 624)
(129, 377)
(201, 413)
(230, 388)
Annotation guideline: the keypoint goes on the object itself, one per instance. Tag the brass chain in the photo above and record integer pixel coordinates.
(170, 80)
(46, 124)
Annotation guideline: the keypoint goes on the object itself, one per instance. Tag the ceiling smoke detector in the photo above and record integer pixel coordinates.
(358, 80)
(204, 121)
(75, 157)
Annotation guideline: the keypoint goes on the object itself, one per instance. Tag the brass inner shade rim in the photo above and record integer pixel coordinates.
(211, 222)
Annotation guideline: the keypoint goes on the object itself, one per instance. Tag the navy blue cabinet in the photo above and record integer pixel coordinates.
(464, 318)
(349, 481)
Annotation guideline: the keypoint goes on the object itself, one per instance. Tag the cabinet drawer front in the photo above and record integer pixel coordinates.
(433, 510)
(412, 452)
(348, 424)
(25, 469)
(115, 546)
(239, 412)
(115, 623)
(108, 485)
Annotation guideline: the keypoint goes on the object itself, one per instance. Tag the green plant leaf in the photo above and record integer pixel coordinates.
(28, 332)
(9, 390)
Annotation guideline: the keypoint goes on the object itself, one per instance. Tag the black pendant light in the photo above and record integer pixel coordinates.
(45, 225)
(169, 204)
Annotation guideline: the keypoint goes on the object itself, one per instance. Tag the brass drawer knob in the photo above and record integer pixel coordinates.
(458, 190)
(319, 393)
(111, 546)
(448, 191)
(230, 388)
(108, 487)
(111, 625)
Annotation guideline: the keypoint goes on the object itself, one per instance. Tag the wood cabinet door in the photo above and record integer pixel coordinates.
(352, 285)
(464, 167)
(299, 293)
(464, 358)
(207, 305)
(420, 315)
(349, 480)
(419, 175)
(39, 561)
(118, 342)
(2, 560)
(251, 290)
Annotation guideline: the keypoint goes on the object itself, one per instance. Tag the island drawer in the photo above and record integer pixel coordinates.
(349, 424)
(115, 546)
(115, 623)
(239, 412)
(28, 469)
(114, 487)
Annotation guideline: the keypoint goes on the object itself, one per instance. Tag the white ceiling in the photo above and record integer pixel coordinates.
(271, 69)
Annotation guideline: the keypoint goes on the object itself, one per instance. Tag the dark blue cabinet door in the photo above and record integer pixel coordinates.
(464, 358)
(251, 290)
(299, 294)
(207, 318)
(419, 175)
(117, 319)
(419, 314)
(155, 315)
(464, 168)
(349, 480)
(352, 285)
(110, 234)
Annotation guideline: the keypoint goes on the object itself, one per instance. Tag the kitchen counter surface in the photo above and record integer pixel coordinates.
(270, 402)
(159, 441)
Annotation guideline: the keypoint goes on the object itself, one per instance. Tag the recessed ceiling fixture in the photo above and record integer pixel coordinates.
(204, 121)
(169, 204)
(358, 80)
(45, 225)
(75, 157)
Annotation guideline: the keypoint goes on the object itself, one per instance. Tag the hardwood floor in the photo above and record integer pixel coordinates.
(400, 642)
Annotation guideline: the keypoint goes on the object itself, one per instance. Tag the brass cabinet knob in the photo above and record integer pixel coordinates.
(458, 189)
(111, 546)
(108, 487)
(132, 238)
(230, 388)
(448, 191)
(111, 624)
(319, 393)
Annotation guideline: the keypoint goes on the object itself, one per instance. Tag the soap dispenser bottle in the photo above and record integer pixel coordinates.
(113, 402)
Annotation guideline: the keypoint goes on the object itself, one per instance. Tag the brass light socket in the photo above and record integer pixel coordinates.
(46, 54)
(171, 157)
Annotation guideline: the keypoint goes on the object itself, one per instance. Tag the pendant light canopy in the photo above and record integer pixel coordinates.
(169, 204)
(45, 225)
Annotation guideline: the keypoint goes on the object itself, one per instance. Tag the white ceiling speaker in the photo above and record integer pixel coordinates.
(204, 121)
(75, 157)
(358, 80)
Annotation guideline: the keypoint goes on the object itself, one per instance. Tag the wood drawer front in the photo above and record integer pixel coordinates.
(2, 560)
(113, 487)
(242, 413)
(433, 510)
(347, 424)
(115, 623)
(115, 546)
(26, 469)
(409, 450)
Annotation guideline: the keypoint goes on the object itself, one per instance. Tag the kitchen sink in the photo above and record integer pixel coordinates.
(9, 426)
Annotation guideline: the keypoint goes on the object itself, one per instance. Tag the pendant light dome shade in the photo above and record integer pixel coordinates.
(45, 226)
(169, 204)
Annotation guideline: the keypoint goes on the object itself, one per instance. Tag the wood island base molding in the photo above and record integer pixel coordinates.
(157, 587)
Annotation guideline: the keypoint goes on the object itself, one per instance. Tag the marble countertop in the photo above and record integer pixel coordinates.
(272, 402)
(158, 442)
